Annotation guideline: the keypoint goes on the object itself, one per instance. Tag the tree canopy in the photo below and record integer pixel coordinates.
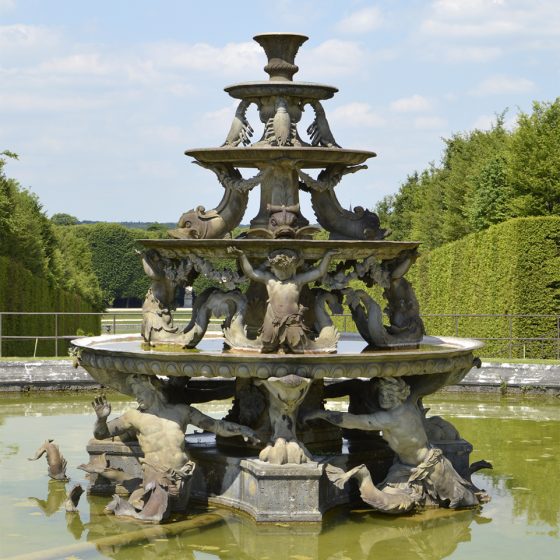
(28, 237)
(485, 177)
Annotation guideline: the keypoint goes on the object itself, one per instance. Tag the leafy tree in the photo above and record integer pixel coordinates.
(78, 273)
(485, 177)
(535, 161)
(115, 261)
(29, 238)
(491, 200)
(396, 211)
(62, 219)
(156, 226)
(429, 207)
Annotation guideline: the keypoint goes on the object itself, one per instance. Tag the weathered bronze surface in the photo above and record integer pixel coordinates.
(278, 338)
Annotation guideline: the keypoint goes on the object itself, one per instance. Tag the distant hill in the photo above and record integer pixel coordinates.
(136, 225)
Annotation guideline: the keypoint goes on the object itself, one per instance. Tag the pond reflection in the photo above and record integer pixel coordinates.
(521, 437)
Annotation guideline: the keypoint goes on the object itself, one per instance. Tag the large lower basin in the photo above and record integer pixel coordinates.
(128, 354)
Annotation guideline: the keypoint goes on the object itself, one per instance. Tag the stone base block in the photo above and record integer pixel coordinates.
(264, 491)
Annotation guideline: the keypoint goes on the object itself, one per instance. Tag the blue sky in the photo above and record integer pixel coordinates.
(100, 99)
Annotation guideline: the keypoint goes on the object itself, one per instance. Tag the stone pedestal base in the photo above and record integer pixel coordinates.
(266, 492)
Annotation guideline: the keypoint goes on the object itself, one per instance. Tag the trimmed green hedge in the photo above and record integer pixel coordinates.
(511, 268)
(20, 290)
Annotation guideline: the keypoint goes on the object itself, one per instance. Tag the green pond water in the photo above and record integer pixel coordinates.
(520, 436)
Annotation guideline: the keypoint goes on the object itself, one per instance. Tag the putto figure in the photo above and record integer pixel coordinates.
(283, 326)
(421, 475)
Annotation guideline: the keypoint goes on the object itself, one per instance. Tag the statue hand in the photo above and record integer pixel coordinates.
(102, 407)
(234, 250)
(316, 414)
(249, 435)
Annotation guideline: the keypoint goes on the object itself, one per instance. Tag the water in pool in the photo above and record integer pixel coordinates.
(519, 435)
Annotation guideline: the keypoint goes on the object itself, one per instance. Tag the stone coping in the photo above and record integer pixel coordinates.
(97, 354)
(311, 249)
(303, 158)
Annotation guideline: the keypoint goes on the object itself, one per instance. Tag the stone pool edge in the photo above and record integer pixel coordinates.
(61, 375)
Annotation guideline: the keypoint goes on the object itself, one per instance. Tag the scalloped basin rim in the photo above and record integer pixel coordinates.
(260, 248)
(254, 156)
(256, 89)
(101, 352)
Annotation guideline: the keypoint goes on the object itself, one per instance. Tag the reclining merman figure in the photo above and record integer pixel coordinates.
(421, 474)
(160, 427)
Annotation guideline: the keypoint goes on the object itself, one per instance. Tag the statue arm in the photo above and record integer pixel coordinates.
(220, 427)
(374, 421)
(116, 427)
(318, 272)
(250, 272)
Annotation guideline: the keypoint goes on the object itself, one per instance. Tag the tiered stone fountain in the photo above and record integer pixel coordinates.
(279, 353)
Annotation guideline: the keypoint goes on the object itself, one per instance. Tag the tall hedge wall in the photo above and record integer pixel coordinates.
(20, 290)
(511, 268)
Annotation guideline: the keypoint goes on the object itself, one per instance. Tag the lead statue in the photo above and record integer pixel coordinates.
(283, 326)
(421, 474)
(160, 427)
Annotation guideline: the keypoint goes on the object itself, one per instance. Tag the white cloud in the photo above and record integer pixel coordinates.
(232, 59)
(7, 6)
(361, 21)
(501, 85)
(469, 30)
(357, 115)
(472, 54)
(461, 19)
(17, 37)
(415, 103)
(486, 122)
(430, 123)
(90, 63)
(50, 102)
(483, 122)
(333, 58)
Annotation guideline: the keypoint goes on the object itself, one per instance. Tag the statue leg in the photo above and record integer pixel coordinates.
(285, 396)
(390, 500)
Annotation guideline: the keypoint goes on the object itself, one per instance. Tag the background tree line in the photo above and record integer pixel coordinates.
(485, 177)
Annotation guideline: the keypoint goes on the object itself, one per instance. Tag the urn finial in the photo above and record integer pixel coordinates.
(281, 50)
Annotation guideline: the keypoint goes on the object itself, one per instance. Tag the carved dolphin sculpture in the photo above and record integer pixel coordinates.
(216, 223)
(327, 333)
(359, 223)
(393, 502)
(240, 131)
(55, 460)
(100, 465)
(368, 318)
(154, 510)
(71, 503)
(319, 130)
(281, 123)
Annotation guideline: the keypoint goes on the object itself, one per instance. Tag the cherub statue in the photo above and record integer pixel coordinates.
(421, 475)
(160, 427)
(283, 322)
